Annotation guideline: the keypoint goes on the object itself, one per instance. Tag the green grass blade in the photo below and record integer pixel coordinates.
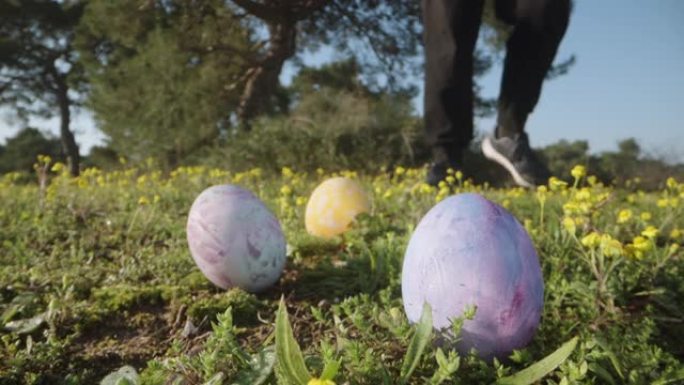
(674, 378)
(330, 370)
(611, 356)
(602, 373)
(536, 371)
(418, 343)
(217, 379)
(288, 355)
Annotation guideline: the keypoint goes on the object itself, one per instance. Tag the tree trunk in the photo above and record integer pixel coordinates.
(262, 79)
(67, 137)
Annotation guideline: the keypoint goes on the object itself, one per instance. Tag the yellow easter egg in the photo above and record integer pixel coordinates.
(333, 206)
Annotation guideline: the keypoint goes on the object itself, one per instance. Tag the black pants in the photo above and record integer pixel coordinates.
(450, 33)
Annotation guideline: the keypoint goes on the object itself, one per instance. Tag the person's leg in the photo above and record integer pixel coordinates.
(539, 26)
(450, 33)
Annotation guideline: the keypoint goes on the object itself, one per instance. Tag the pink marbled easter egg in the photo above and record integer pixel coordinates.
(235, 240)
(468, 251)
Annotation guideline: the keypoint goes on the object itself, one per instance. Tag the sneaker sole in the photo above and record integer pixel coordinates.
(492, 154)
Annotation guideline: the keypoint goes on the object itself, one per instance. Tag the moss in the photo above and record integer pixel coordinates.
(120, 297)
(244, 305)
(195, 281)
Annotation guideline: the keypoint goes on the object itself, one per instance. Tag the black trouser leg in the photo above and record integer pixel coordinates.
(539, 26)
(450, 33)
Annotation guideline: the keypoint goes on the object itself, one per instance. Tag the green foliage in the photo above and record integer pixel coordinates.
(419, 341)
(160, 77)
(627, 166)
(21, 150)
(39, 69)
(338, 131)
(260, 368)
(106, 279)
(290, 369)
(341, 123)
(244, 306)
(102, 157)
(536, 371)
(383, 36)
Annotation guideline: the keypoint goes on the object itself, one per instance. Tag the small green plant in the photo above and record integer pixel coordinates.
(291, 368)
(96, 274)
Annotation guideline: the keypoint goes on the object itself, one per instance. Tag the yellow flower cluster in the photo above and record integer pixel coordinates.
(606, 220)
(605, 243)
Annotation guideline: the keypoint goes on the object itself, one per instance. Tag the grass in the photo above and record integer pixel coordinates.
(95, 275)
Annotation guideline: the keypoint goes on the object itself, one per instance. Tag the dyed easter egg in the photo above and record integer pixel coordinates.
(469, 251)
(234, 239)
(333, 206)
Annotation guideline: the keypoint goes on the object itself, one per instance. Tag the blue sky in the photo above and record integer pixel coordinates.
(628, 82)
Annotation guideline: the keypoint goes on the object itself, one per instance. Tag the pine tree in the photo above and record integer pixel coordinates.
(39, 72)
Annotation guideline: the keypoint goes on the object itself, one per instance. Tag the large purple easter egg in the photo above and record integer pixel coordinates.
(235, 240)
(469, 251)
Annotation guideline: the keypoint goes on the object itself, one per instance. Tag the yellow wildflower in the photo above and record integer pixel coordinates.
(591, 240)
(287, 172)
(57, 167)
(584, 194)
(650, 232)
(316, 381)
(610, 246)
(674, 247)
(450, 179)
(662, 203)
(671, 183)
(541, 192)
(426, 188)
(646, 216)
(143, 201)
(638, 246)
(256, 172)
(528, 225)
(399, 170)
(642, 244)
(578, 171)
(556, 184)
(286, 190)
(44, 159)
(569, 225)
(675, 233)
(624, 215)
(459, 175)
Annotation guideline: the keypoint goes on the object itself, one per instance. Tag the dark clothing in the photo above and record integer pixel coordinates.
(450, 33)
